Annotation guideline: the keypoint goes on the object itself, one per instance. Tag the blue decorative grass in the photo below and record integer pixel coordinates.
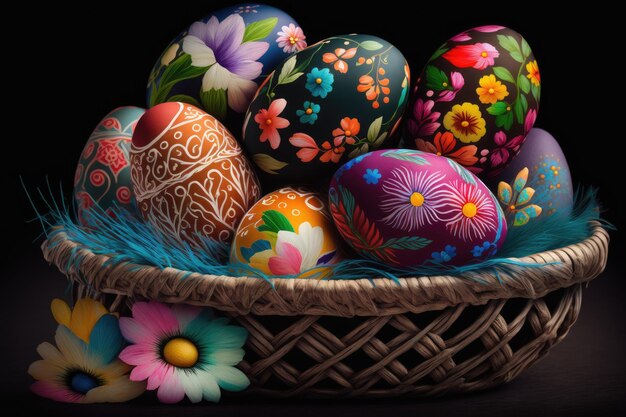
(127, 239)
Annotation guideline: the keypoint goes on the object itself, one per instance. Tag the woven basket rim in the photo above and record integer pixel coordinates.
(558, 268)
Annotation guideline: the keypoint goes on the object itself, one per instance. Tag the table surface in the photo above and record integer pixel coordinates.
(585, 374)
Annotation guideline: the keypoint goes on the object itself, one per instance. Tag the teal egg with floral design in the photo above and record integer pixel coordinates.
(325, 105)
(217, 63)
(537, 184)
(102, 178)
(476, 100)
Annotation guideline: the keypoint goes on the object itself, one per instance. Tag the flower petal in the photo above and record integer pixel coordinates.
(51, 354)
(61, 312)
(156, 317)
(229, 35)
(171, 389)
(201, 55)
(139, 354)
(135, 332)
(192, 385)
(84, 316)
(105, 340)
(118, 391)
(185, 314)
(210, 389)
(72, 348)
(216, 78)
(144, 371)
(45, 371)
(302, 140)
(229, 378)
(158, 375)
(240, 93)
(228, 357)
(55, 392)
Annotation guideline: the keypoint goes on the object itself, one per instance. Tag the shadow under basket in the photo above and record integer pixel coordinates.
(422, 336)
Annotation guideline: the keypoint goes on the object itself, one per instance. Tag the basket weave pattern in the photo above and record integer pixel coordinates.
(362, 338)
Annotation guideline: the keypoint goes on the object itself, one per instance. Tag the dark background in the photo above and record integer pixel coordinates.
(63, 74)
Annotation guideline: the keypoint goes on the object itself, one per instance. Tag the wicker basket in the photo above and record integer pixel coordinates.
(426, 336)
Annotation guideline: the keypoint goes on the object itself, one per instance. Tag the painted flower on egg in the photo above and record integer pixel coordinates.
(232, 65)
(218, 62)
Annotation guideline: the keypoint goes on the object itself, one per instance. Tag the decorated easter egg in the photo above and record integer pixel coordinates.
(325, 105)
(190, 177)
(102, 176)
(287, 232)
(218, 62)
(411, 208)
(537, 184)
(476, 99)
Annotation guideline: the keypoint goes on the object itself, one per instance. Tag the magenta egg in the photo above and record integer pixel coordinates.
(411, 208)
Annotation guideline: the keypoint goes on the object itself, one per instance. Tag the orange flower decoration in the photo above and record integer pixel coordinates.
(331, 154)
(348, 130)
(338, 57)
(373, 87)
(444, 145)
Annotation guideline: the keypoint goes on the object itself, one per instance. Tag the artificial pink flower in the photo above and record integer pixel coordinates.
(269, 122)
(291, 39)
(424, 120)
(478, 55)
(183, 350)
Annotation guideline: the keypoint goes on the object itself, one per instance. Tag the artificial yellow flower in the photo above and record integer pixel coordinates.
(491, 90)
(466, 123)
(81, 320)
(533, 73)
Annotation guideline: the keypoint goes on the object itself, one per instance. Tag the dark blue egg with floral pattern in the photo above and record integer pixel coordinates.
(329, 103)
(218, 62)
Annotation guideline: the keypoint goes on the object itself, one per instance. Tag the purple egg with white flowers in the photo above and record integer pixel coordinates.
(410, 208)
(537, 184)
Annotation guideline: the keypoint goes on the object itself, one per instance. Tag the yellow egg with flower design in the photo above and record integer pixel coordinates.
(287, 233)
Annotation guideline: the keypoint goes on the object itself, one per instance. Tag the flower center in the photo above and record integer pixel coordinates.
(348, 133)
(417, 199)
(491, 91)
(268, 121)
(464, 123)
(309, 111)
(484, 54)
(469, 210)
(293, 40)
(512, 207)
(180, 352)
(445, 84)
(83, 383)
(318, 80)
(438, 153)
